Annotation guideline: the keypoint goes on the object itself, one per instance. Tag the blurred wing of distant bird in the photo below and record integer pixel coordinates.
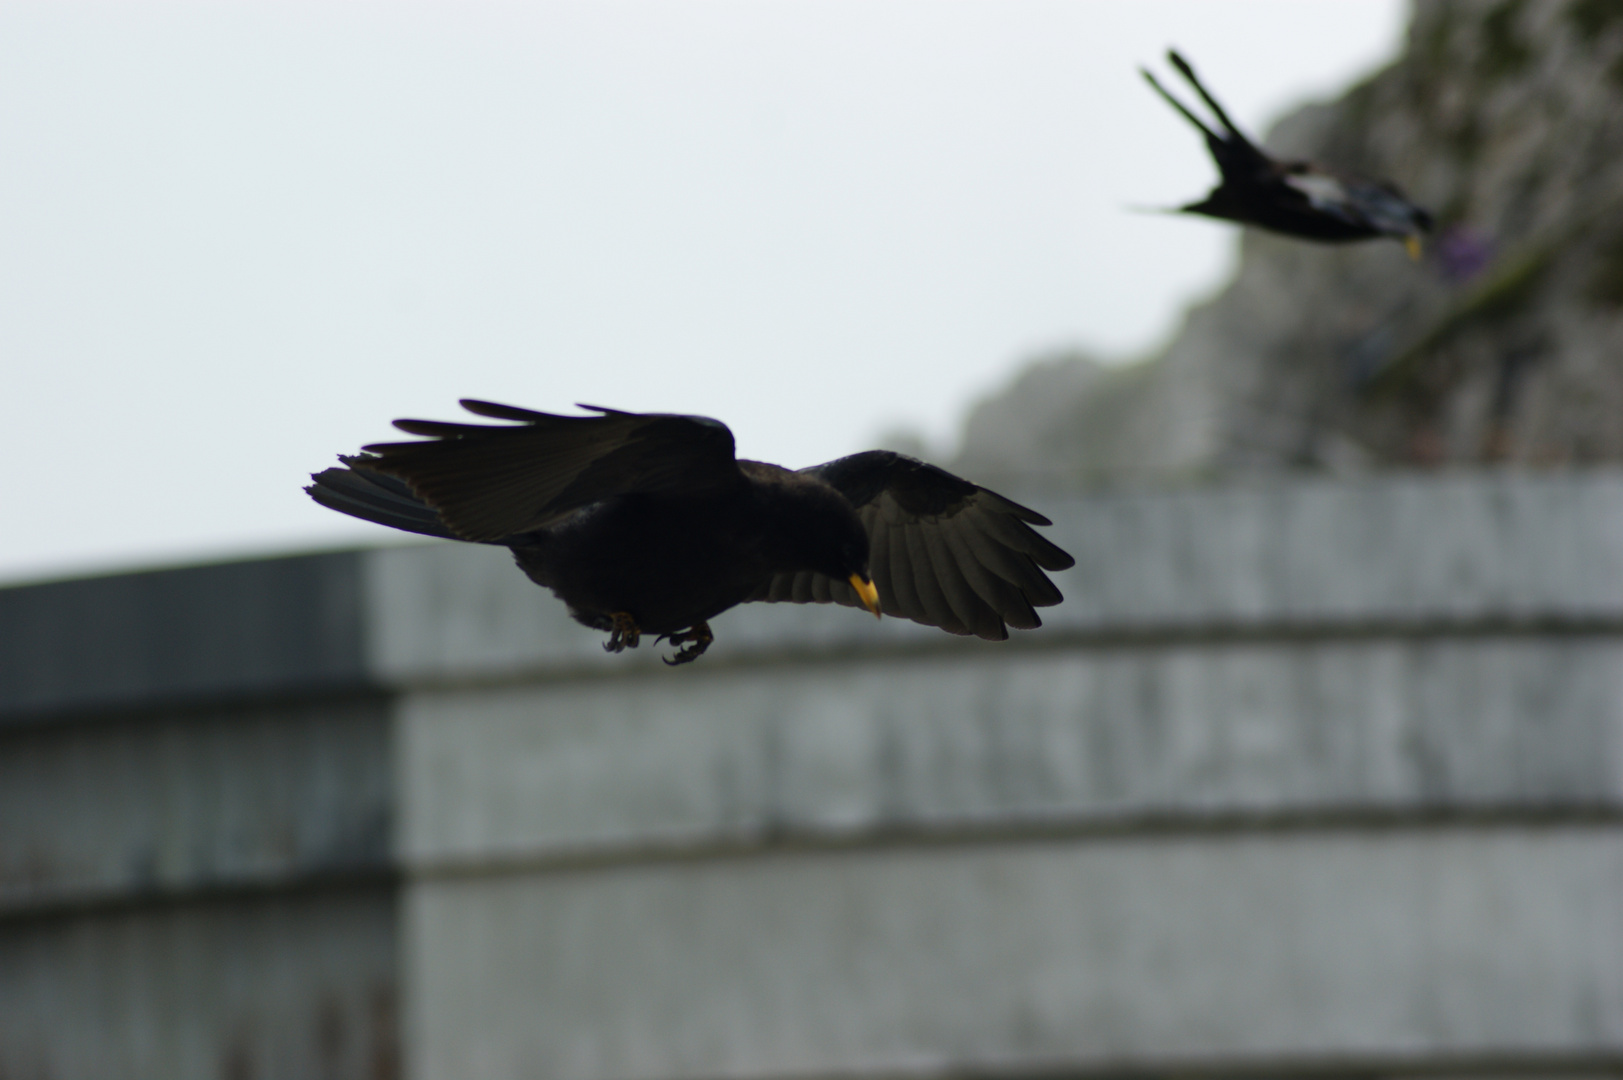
(485, 482)
(1326, 194)
(1237, 157)
(942, 551)
(1234, 134)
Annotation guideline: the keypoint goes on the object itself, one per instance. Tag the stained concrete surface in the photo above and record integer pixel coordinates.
(179, 800)
(1159, 955)
(1508, 724)
(265, 626)
(273, 984)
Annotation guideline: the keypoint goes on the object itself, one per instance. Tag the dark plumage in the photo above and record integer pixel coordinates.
(1296, 198)
(647, 523)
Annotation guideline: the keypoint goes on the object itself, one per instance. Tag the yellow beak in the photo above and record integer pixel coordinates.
(1411, 244)
(866, 590)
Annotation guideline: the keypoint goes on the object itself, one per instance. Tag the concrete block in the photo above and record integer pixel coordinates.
(170, 802)
(1514, 724)
(1219, 952)
(1412, 548)
(204, 632)
(279, 987)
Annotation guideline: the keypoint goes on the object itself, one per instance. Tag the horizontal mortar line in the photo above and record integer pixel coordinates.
(168, 705)
(1215, 634)
(1151, 827)
(67, 903)
(1506, 1061)
(111, 899)
(1495, 1061)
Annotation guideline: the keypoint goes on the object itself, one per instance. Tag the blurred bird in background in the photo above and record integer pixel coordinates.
(1296, 198)
(648, 524)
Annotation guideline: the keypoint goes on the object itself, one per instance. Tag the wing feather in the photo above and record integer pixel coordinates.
(971, 609)
(1013, 566)
(822, 588)
(898, 590)
(998, 597)
(928, 581)
(372, 496)
(942, 551)
(879, 559)
(490, 481)
(1008, 529)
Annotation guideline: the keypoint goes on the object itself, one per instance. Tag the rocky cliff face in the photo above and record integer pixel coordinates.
(1505, 117)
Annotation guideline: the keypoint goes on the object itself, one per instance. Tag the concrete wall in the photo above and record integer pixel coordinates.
(196, 805)
(1308, 778)
(1230, 952)
(239, 986)
(271, 626)
(1305, 778)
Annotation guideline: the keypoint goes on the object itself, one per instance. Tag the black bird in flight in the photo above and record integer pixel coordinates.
(1296, 198)
(645, 523)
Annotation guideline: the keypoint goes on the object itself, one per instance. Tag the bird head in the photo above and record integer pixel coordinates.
(818, 530)
(850, 564)
(1389, 211)
(841, 552)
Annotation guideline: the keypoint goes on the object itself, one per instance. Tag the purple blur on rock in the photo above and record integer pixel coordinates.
(1463, 253)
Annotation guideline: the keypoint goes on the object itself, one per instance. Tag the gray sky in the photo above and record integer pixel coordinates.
(237, 238)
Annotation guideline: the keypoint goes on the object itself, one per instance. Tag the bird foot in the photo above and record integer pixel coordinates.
(695, 639)
(625, 634)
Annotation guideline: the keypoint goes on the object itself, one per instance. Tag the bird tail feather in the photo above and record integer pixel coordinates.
(376, 497)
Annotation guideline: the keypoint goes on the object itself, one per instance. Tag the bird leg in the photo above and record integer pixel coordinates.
(625, 633)
(697, 639)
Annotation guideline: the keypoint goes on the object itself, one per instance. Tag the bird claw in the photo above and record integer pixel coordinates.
(695, 639)
(625, 634)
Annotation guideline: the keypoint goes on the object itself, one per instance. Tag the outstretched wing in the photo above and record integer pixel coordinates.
(1237, 157)
(1188, 72)
(942, 551)
(1371, 205)
(485, 481)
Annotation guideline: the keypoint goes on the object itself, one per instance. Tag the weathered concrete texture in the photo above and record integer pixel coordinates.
(266, 626)
(1502, 724)
(1314, 777)
(195, 814)
(277, 987)
(1336, 950)
(170, 802)
(1317, 555)
(1420, 549)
